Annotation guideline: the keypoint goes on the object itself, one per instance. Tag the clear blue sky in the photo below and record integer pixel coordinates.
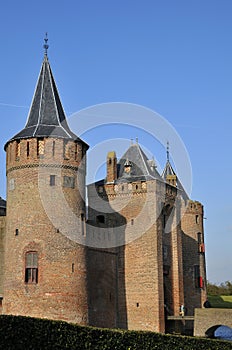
(172, 56)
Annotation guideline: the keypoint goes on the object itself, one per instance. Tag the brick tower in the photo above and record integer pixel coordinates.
(45, 264)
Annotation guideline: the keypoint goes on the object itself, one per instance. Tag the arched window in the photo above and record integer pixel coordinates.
(31, 267)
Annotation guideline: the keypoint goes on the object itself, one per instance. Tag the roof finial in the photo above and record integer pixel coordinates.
(46, 46)
(168, 151)
(137, 140)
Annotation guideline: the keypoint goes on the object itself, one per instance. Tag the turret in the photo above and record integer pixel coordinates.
(45, 267)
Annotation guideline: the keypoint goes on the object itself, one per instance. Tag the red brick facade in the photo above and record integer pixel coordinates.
(154, 264)
(60, 289)
(141, 254)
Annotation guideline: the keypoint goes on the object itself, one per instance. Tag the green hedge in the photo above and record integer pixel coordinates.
(17, 332)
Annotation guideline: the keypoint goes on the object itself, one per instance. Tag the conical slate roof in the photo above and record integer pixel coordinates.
(46, 117)
(168, 170)
(140, 166)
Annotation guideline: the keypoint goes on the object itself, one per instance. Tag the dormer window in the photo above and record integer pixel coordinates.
(127, 166)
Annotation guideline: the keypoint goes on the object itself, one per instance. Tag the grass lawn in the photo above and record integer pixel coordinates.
(221, 301)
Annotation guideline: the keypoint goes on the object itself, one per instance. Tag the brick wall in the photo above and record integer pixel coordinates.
(61, 289)
(206, 318)
(2, 241)
(133, 218)
(193, 255)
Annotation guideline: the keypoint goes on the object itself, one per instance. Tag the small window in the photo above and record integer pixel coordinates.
(110, 161)
(197, 276)
(53, 148)
(199, 237)
(132, 222)
(11, 184)
(76, 151)
(66, 150)
(197, 219)
(28, 148)
(40, 147)
(83, 224)
(52, 180)
(17, 149)
(100, 219)
(69, 181)
(31, 267)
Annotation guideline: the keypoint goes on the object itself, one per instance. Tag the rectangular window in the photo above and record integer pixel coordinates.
(40, 147)
(199, 237)
(69, 181)
(76, 152)
(17, 149)
(53, 148)
(66, 149)
(28, 148)
(52, 180)
(31, 268)
(83, 224)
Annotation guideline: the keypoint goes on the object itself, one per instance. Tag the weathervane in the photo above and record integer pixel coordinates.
(46, 46)
(168, 151)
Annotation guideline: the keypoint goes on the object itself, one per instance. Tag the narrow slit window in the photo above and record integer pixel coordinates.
(66, 150)
(28, 148)
(82, 224)
(17, 149)
(53, 148)
(40, 147)
(76, 151)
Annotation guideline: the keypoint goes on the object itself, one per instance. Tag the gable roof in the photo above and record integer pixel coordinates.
(140, 167)
(46, 117)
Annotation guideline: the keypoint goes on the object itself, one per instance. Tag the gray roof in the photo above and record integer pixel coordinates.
(46, 117)
(141, 167)
(168, 170)
(2, 203)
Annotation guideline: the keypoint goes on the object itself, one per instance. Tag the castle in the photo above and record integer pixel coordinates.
(131, 260)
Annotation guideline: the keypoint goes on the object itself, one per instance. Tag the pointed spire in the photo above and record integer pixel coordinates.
(46, 117)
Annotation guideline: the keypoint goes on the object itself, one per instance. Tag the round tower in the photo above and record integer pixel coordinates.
(45, 260)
